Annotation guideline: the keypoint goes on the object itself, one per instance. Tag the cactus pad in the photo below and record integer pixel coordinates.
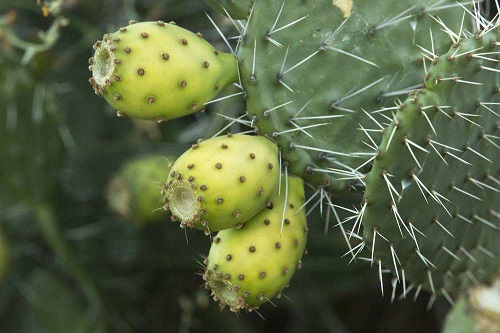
(431, 207)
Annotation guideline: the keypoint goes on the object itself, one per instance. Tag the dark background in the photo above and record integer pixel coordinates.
(74, 266)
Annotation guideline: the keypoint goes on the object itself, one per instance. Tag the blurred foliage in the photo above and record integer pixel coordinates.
(74, 265)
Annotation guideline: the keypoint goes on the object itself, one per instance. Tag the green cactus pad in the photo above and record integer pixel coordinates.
(247, 267)
(310, 68)
(155, 70)
(236, 9)
(222, 182)
(431, 209)
(133, 192)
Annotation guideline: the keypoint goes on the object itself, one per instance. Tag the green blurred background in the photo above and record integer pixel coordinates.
(76, 266)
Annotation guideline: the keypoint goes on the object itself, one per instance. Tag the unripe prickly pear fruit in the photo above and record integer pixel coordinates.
(247, 267)
(133, 192)
(222, 182)
(157, 70)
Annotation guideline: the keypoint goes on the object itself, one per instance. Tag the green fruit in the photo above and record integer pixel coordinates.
(133, 192)
(222, 182)
(154, 70)
(247, 267)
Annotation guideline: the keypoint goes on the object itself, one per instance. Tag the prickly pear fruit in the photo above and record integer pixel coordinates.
(222, 182)
(4, 258)
(133, 192)
(155, 70)
(247, 267)
(236, 9)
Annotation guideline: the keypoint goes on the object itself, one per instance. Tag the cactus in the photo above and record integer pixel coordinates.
(325, 80)
(248, 266)
(432, 195)
(133, 192)
(155, 70)
(222, 182)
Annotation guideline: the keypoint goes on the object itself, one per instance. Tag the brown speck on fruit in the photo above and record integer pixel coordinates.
(116, 39)
(239, 225)
(203, 187)
(190, 165)
(123, 29)
(165, 56)
(199, 34)
(160, 120)
(287, 221)
(184, 41)
(261, 192)
(204, 223)
(278, 245)
(117, 77)
(227, 276)
(242, 179)
(127, 50)
(229, 135)
(200, 198)
(194, 106)
(285, 271)
(117, 97)
(237, 214)
(140, 71)
(183, 84)
(206, 64)
(223, 146)
(190, 179)
(215, 267)
(216, 52)
(251, 249)
(160, 23)
(261, 297)
(246, 293)
(216, 240)
(132, 22)
(195, 146)
(299, 264)
(252, 156)
(218, 165)
(267, 222)
(262, 275)
(172, 23)
(151, 100)
(116, 61)
(241, 277)
(229, 257)
(144, 35)
(217, 87)
(219, 200)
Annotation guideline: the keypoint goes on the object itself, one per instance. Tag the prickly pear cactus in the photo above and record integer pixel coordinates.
(312, 69)
(157, 70)
(247, 267)
(431, 206)
(222, 182)
(133, 192)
